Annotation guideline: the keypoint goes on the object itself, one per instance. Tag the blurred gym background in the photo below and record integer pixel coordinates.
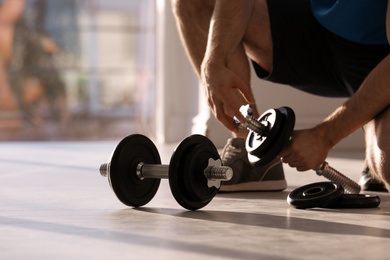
(103, 69)
(76, 69)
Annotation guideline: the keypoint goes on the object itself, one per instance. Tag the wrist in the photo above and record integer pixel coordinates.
(211, 65)
(327, 134)
(214, 58)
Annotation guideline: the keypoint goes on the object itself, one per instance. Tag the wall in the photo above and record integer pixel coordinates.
(176, 83)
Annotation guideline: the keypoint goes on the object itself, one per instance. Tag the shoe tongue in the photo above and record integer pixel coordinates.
(237, 142)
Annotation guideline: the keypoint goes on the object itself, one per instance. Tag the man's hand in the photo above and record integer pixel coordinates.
(306, 150)
(225, 93)
(224, 71)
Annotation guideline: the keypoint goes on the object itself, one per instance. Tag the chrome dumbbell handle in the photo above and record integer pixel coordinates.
(333, 175)
(214, 172)
(251, 123)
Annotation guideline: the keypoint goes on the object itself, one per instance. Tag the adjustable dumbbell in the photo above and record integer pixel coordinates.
(269, 134)
(195, 171)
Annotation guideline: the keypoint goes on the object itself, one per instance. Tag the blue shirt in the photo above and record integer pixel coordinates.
(361, 21)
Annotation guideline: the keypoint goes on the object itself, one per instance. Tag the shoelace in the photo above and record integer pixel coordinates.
(229, 153)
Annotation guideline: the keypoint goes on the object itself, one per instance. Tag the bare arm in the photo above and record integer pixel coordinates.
(309, 148)
(226, 88)
(227, 28)
(372, 98)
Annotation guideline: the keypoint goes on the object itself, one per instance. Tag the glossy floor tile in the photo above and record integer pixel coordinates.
(55, 205)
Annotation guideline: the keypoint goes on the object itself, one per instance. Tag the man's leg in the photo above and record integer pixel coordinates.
(378, 147)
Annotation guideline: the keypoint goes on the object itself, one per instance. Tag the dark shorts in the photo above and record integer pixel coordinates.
(312, 59)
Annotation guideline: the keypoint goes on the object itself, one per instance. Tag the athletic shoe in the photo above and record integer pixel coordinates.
(368, 183)
(247, 177)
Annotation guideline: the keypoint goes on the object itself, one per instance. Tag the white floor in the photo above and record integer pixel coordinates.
(55, 205)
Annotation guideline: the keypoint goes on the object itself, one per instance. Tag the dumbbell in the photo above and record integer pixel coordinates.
(269, 134)
(195, 171)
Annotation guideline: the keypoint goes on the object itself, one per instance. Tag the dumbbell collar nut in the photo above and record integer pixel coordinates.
(215, 173)
(251, 123)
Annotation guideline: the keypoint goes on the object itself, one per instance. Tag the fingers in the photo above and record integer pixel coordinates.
(226, 97)
(293, 162)
(291, 156)
(299, 157)
(226, 110)
(225, 119)
(298, 164)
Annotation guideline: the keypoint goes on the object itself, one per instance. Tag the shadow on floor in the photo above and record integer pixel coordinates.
(133, 238)
(278, 222)
(268, 195)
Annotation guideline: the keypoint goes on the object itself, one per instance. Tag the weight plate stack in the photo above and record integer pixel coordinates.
(330, 195)
(278, 126)
(186, 172)
(355, 201)
(315, 195)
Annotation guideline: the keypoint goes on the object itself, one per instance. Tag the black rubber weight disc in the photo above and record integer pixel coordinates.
(186, 179)
(259, 144)
(354, 201)
(315, 195)
(277, 139)
(123, 178)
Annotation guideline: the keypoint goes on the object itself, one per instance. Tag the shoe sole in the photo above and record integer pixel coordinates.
(255, 186)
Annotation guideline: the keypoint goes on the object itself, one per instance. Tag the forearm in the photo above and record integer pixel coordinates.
(227, 28)
(372, 98)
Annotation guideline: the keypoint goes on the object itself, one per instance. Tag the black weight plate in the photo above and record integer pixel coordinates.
(315, 195)
(122, 176)
(195, 180)
(181, 177)
(353, 201)
(257, 144)
(277, 141)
